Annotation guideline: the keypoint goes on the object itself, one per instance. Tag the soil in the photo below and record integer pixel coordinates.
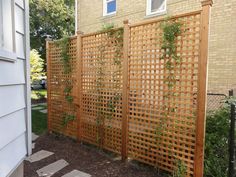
(84, 158)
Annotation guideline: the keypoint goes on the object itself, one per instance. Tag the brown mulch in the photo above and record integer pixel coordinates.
(84, 158)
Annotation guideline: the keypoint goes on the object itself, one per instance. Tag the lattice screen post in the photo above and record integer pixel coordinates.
(79, 84)
(125, 88)
(48, 84)
(202, 89)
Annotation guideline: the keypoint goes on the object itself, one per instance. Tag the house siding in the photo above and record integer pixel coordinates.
(14, 101)
(222, 53)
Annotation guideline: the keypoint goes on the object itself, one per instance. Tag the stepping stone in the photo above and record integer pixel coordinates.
(33, 145)
(117, 159)
(37, 108)
(76, 173)
(44, 111)
(39, 104)
(52, 168)
(43, 104)
(39, 156)
(34, 136)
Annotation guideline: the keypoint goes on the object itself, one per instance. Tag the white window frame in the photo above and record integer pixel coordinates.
(6, 55)
(105, 4)
(158, 12)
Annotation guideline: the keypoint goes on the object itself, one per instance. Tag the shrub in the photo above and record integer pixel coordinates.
(216, 146)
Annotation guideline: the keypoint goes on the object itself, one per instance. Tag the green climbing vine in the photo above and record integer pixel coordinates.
(114, 41)
(67, 118)
(172, 60)
(65, 58)
(181, 169)
(171, 30)
(116, 37)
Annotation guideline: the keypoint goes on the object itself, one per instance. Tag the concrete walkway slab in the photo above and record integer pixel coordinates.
(76, 173)
(52, 168)
(37, 108)
(34, 136)
(44, 111)
(39, 156)
(33, 145)
(39, 104)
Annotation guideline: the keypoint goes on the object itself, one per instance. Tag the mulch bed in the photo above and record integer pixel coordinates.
(84, 158)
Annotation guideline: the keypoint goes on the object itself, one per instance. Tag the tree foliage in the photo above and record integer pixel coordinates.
(50, 17)
(36, 66)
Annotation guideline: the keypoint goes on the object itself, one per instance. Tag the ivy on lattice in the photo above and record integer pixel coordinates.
(114, 38)
(64, 45)
(171, 30)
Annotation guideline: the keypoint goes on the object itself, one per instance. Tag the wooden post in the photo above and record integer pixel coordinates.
(124, 150)
(48, 84)
(202, 89)
(79, 84)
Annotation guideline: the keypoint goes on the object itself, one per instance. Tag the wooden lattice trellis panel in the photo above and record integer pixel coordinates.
(124, 102)
(101, 115)
(57, 81)
(161, 119)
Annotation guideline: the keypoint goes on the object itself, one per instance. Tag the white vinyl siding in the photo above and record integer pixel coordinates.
(20, 32)
(19, 17)
(12, 98)
(13, 74)
(156, 7)
(15, 116)
(18, 127)
(20, 47)
(12, 155)
(20, 3)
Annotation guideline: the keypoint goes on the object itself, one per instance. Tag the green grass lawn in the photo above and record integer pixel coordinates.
(39, 120)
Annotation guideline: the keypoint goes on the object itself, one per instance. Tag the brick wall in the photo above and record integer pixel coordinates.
(222, 47)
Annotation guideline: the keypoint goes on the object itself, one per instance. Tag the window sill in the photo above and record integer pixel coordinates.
(109, 15)
(155, 14)
(7, 56)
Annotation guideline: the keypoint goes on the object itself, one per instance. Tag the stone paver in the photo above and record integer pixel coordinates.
(52, 168)
(33, 145)
(37, 108)
(44, 111)
(39, 104)
(34, 136)
(117, 159)
(76, 173)
(39, 156)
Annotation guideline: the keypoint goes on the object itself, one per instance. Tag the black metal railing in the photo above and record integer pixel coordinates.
(215, 101)
(231, 172)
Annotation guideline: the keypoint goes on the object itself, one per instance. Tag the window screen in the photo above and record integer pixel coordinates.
(157, 5)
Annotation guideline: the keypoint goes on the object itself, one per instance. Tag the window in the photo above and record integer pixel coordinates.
(109, 7)
(156, 7)
(7, 49)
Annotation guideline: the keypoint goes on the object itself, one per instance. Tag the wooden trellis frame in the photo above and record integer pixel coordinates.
(138, 113)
